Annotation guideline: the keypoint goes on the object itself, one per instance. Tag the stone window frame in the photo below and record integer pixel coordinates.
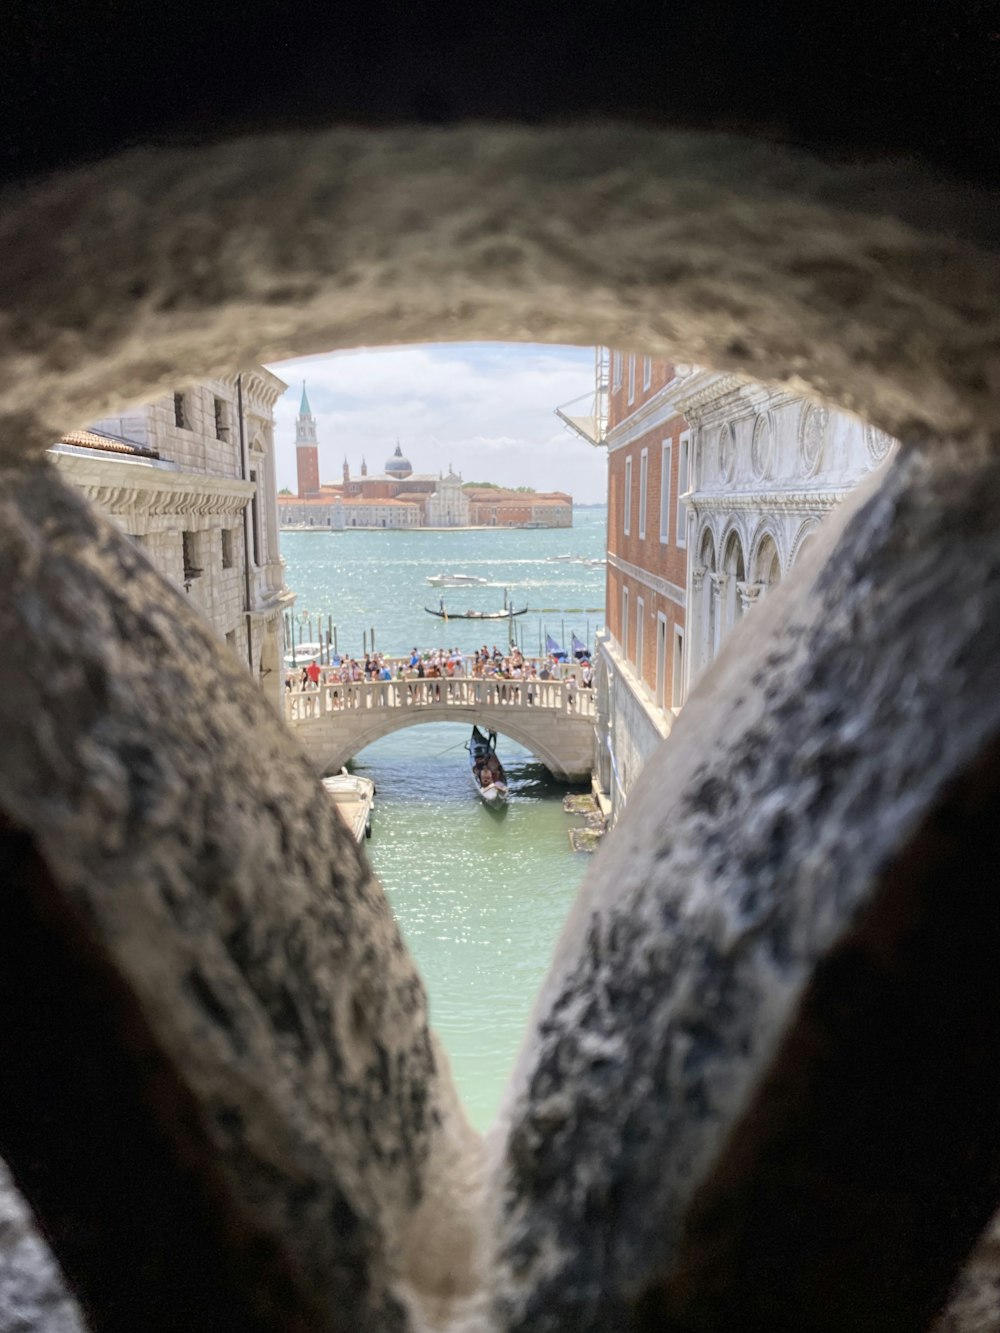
(683, 486)
(643, 491)
(223, 426)
(666, 481)
(191, 555)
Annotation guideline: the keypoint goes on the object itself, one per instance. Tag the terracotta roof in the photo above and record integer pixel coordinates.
(110, 444)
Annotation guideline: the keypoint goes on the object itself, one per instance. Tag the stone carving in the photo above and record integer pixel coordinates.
(762, 448)
(879, 444)
(727, 451)
(813, 427)
(749, 594)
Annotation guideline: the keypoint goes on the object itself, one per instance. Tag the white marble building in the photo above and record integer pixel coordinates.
(449, 506)
(190, 478)
(766, 467)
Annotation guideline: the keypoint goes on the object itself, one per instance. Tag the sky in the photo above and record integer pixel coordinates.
(486, 408)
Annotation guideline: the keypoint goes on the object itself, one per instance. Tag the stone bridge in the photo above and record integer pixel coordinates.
(554, 719)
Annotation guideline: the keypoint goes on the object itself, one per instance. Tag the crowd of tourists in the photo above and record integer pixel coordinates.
(446, 664)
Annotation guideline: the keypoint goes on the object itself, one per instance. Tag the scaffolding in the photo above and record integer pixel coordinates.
(591, 426)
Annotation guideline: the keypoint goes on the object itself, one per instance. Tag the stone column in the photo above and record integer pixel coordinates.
(720, 584)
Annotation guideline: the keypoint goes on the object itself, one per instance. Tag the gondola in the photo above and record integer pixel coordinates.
(482, 752)
(475, 615)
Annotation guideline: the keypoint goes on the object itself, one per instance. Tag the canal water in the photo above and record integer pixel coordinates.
(480, 896)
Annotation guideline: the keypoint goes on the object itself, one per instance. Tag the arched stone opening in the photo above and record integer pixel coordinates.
(765, 565)
(488, 719)
(706, 634)
(804, 539)
(109, 301)
(730, 583)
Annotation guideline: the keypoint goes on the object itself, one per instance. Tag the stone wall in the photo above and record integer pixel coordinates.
(761, 1088)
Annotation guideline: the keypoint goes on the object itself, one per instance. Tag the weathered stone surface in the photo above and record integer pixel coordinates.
(273, 1159)
(219, 1087)
(764, 1088)
(875, 286)
(33, 1296)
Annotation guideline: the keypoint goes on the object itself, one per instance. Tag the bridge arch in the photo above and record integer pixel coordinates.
(335, 723)
(504, 722)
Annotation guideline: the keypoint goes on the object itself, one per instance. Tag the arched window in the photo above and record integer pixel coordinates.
(768, 566)
(734, 568)
(706, 600)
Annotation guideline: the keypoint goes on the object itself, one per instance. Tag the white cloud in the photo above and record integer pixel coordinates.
(486, 408)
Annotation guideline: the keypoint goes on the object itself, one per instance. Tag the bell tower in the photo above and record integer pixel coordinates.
(306, 449)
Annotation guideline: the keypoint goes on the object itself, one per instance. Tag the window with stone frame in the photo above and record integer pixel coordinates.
(227, 548)
(191, 553)
(182, 416)
(221, 419)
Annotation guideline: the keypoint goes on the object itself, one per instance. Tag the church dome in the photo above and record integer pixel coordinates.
(398, 466)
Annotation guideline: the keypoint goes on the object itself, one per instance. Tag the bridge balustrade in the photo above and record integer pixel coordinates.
(460, 692)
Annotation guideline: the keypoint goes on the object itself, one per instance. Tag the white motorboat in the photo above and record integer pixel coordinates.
(488, 777)
(454, 580)
(303, 655)
(354, 800)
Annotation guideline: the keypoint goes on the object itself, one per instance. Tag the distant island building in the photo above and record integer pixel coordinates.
(398, 497)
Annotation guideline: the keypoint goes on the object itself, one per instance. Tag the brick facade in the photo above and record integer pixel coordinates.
(648, 468)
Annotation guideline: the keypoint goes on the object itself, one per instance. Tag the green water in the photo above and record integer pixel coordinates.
(480, 896)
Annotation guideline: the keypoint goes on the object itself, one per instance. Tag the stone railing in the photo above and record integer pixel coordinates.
(462, 692)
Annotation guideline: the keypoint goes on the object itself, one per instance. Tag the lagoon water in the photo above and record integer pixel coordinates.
(480, 896)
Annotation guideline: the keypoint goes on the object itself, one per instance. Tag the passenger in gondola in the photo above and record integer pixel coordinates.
(485, 777)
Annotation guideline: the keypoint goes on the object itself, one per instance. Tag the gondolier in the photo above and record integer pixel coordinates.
(488, 776)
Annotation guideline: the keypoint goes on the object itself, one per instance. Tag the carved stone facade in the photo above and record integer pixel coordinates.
(715, 487)
(448, 506)
(190, 478)
(766, 467)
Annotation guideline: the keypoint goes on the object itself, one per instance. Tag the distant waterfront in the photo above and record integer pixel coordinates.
(480, 897)
(368, 578)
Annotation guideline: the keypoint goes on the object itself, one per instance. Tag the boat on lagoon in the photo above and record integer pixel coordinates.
(475, 615)
(454, 580)
(303, 654)
(481, 750)
(353, 798)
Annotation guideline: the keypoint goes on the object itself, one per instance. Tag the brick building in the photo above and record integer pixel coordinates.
(716, 485)
(494, 507)
(640, 660)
